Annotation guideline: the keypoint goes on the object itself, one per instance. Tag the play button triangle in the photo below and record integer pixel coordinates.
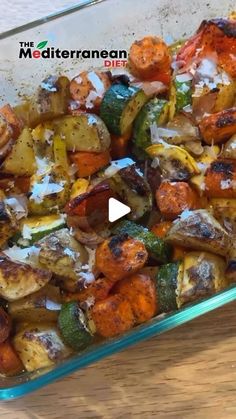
(116, 210)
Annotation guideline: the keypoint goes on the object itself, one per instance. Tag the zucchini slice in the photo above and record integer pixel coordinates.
(175, 162)
(74, 326)
(120, 106)
(154, 111)
(35, 228)
(167, 282)
(156, 247)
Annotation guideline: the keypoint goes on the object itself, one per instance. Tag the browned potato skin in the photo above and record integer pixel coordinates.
(80, 91)
(18, 279)
(120, 256)
(140, 291)
(218, 127)
(112, 316)
(5, 325)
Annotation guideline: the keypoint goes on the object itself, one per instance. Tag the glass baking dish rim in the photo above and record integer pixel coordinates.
(115, 345)
(48, 18)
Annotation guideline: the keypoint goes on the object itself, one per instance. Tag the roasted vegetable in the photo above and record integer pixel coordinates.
(43, 305)
(49, 192)
(175, 162)
(204, 161)
(112, 316)
(199, 230)
(21, 159)
(220, 179)
(8, 223)
(74, 326)
(149, 59)
(10, 363)
(129, 183)
(61, 254)
(180, 94)
(120, 256)
(5, 325)
(139, 290)
(224, 211)
(18, 279)
(215, 36)
(60, 153)
(95, 291)
(156, 247)
(88, 89)
(229, 149)
(154, 111)
(33, 229)
(175, 197)
(203, 275)
(89, 163)
(40, 346)
(50, 102)
(79, 187)
(167, 280)
(120, 106)
(85, 132)
(218, 127)
(15, 123)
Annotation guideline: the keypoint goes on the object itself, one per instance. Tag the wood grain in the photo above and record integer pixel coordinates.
(189, 372)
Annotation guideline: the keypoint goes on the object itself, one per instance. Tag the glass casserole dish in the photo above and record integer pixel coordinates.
(114, 30)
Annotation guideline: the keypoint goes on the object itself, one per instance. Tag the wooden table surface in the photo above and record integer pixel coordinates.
(189, 372)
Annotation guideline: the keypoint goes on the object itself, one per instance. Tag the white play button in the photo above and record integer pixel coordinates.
(116, 210)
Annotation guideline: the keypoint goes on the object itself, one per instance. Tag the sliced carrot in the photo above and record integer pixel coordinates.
(112, 316)
(162, 228)
(98, 290)
(88, 89)
(140, 291)
(120, 256)
(218, 127)
(16, 124)
(220, 179)
(149, 59)
(175, 197)
(119, 146)
(10, 363)
(89, 163)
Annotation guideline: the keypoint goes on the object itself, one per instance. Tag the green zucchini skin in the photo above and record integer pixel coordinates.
(183, 94)
(166, 283)
(152, 112)
(74, 326)
(157, 248)
(120, 106)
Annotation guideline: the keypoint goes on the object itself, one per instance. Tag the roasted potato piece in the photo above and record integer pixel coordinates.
(50, 102)
(218, 127)
(112, 316)
(61, 254)
(203, 275)
(140, 291)
(49, 192)
(43, 305)
(229, 149)
(120, 256)
(6, 132)
(199, 230)
(224, 211)
(15, 123)
(21, 159)
(18, 279)
(85, 132)
(40, 346)
(8, 223)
